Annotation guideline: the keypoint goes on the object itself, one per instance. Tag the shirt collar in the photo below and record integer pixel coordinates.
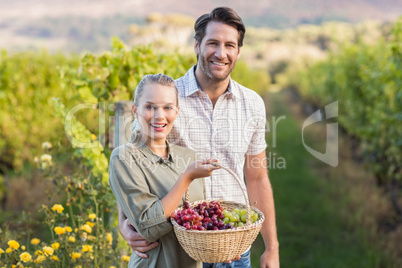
(147, 153)
(192, 85)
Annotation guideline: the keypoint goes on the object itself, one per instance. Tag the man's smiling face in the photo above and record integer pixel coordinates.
(218, 51)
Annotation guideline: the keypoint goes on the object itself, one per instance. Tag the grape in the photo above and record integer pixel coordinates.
(209, 226)
(206, 219)
(243, 218)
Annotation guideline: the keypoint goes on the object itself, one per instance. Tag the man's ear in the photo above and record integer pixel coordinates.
(196, 47)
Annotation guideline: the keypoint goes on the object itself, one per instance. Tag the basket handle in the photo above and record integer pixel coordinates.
(244, 190)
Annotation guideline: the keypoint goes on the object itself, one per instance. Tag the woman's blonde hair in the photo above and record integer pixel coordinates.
(149, 79)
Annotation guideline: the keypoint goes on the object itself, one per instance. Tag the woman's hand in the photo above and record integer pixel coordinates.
(201, 168)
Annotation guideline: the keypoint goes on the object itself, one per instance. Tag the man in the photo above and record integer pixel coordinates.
(220, 118)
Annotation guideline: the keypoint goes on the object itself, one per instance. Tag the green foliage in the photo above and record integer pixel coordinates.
(114, 75)
(257, 80)
(28, 81)
(367, 82)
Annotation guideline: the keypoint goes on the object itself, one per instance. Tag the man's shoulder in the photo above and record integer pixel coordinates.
(184, 80)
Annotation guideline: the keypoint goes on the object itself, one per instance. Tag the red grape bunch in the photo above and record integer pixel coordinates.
(204, 216)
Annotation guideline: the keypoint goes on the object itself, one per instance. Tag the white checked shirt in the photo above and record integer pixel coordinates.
(232, 129)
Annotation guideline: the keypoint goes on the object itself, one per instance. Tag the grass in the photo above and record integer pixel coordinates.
(314, 230)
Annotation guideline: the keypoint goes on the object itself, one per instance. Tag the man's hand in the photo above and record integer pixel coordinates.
(137, 243)
(270, 259)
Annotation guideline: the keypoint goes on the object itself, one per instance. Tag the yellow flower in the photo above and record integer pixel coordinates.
(84, 236)
(109, 238)
(93, 137)
(76, 230)
(125, 258)
(9, 250)
(23, 247)
(92, 216)
(35, 241)
(13, 244)
(75, 255)
(68, 229)
(71, 239)
(86, 228)
(79, 266)
(40, 259)
(57, 207)
(91, 224)
(38, 252)
(1, 251)
(59, 230)
(87, 248)
(91, 237)
(55, 258)
(25, 257)
(55, 245)
(112, 266)
(48, 251)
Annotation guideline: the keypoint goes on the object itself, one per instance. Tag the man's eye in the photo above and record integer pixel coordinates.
(168, 108)
(149, 107)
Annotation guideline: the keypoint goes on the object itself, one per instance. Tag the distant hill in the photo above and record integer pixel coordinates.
(76, 25)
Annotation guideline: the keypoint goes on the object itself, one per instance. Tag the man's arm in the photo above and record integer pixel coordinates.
(138, 244)
(260, 191)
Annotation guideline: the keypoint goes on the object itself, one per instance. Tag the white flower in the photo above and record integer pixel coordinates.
(46, 145)
(46, 158)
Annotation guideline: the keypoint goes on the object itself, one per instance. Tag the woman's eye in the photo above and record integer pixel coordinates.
(168, 108)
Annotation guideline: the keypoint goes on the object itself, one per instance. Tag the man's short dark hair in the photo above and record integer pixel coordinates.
(224, 15)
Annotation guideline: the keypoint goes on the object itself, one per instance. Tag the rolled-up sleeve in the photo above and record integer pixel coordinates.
(143, 209)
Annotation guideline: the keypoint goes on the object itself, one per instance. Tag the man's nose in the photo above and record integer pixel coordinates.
(220, 52)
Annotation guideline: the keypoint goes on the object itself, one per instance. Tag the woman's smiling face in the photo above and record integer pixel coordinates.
(156, 112)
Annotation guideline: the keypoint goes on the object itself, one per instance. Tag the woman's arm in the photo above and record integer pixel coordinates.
(197, 169)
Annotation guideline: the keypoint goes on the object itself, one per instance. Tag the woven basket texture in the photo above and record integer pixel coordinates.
(221, 245)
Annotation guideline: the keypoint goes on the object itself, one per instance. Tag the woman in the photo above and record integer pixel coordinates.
(149, 176)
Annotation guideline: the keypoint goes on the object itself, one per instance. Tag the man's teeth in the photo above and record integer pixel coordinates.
(218, 63)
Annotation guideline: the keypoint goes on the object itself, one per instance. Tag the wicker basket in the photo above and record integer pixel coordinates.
(220, 245)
